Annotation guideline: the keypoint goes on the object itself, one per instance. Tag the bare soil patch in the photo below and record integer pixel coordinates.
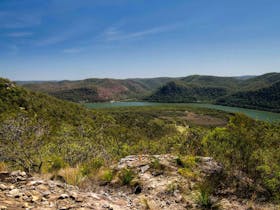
(205, 120)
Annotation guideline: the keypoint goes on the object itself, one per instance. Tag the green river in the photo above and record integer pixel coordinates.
(256, 114)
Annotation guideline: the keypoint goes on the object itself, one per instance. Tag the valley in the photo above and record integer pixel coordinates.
(102, 151)
(256, 114)
(139, 105)
(255, 92)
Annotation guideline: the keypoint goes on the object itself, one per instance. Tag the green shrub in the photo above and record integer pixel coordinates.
(91, 166)
(105, 175)
(72, 176)
(187, 173)
(204, 199)
(126, 176)
(249, 146)
(172, 187)
(57, 163)
(186, 161)
(3, 166)
(205, 190)
(155, 164)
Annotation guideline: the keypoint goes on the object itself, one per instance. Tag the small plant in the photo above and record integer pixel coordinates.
(155, 164)
(145, 203)
(204, 199)
(205, 190)
(126, 176)
(187, 173)
(91, 166)
(72, 176)
(179, 162)
(105, 175)
(172, 187)
(57, 163)
(3, 166)
(186, 162)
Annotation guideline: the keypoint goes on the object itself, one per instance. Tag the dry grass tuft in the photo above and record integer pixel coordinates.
(72, 176)
(3, 166)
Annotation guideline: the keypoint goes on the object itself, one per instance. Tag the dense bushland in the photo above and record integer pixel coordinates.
(39, 133)
(181, 93)
(250, 147)
(265, 98)
(260, 92)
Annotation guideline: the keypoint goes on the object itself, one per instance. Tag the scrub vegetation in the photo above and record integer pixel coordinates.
(42, 134)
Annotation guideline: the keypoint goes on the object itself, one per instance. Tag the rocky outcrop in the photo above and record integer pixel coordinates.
(18, 191)
(157, 183)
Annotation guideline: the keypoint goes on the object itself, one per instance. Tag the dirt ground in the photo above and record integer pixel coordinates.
(205, 120)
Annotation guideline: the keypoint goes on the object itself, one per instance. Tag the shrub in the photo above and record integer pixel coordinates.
(72, 176)
(204, 199)
(57, 163)
(187, 173)
(186, 161)
(91, 166)
(205, 190)
(105, 175)
(172, 187)
(126, 176)
(155, 164)
(3, 166)
(251, 147)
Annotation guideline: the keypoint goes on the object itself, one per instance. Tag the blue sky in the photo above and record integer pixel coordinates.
(76, 39)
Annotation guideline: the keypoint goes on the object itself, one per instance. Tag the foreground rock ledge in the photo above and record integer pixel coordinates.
(157, 188)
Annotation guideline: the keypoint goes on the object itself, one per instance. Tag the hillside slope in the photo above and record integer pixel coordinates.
(162, 188)
(36, 127)
(15, 99)
(264, 98)
(261, 92)
(42, 134)
(96, 90)
(195, 88)
(179, 92)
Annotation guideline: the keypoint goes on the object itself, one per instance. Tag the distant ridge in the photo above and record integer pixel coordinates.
(194, 88)
(245, 77)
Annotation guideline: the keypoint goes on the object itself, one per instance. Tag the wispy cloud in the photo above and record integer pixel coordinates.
(19, 34)
(12, 49)
(51, 40)
(116, 34)
(72, 50)
(13, 20)
(68, 33)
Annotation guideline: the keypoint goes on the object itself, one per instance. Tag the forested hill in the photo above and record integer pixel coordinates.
(264, 98)
(196, 88)
(179, 92)
(38, 130)
(261, 92)
(98, 90)
(17, 100)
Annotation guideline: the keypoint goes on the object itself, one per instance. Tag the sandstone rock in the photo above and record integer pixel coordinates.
(46, 193)
(11, 187)
(76, 197)
(144, 168)
(167, 190)
(209, 166)
(18, 173)
(35, 182)
(63, 196)
(15, 193)
(4, 175)
(36, 198)
(42, 187)
(27, 205)
(3, 187)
